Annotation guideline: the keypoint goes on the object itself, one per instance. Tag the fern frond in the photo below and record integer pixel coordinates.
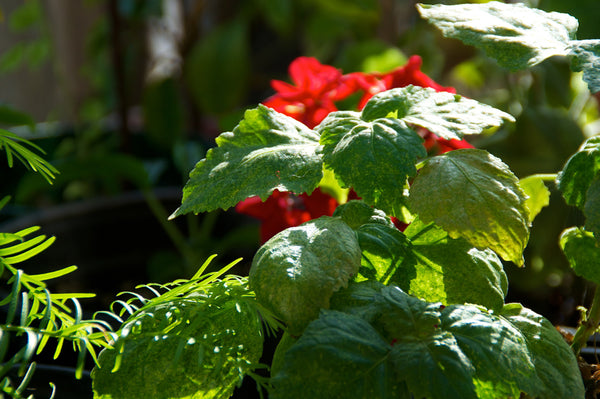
(40, 315)
(16, 147)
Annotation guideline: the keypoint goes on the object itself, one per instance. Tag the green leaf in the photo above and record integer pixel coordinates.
(497, 349)
(267, 151)
(591, 208)
(515, 35)
(537, 193)
(193, 346)
(447, 115)
(576, 177)
(582, 252)
(439, 353)
(375, 158)
(15, 146)
(585, 57)
(356, 213)
(450, 270)
(338, 356)
(555, 364)
(386, 253)
(490, 211)
(295, 273)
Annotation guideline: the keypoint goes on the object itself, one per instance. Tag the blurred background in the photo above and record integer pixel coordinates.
(126, 96)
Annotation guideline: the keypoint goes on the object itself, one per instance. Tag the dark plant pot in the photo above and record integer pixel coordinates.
(111, 240)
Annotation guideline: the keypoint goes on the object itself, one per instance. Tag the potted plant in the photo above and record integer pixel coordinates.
(401, 291)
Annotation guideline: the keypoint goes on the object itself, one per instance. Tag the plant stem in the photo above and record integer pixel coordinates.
(546, 176)
(172, 231)
(588, 326)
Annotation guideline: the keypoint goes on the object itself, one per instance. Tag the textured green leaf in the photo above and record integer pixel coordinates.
(356, 213)
(586, 58)
(448, 115)
(554, 361)
(339, 356)
(386, 252)
(490, 210)
(515, 35)
(497, 349)
(582, 252)
(450, 270)
(537, 193)
(295, 273)
(439, 353)
(375, 158)
(267, 151)
(591, 208)
(195, 347)
(575, 178)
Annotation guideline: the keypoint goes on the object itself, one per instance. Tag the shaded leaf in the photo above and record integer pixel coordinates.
(295, 273)
(586, 58)
(490, 211)
(497, 348)
(591, 208)
(576, 177)
(448, 115)
(338, 356)
(582, 252)
(403, 342)
(555, 363)
(267, 151)
(356, 213)
(515, 35)
(375, 158)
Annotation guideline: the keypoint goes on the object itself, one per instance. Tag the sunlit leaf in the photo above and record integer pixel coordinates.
(586, 58)
(295, 273)
(450, 270)
(537, 193)
(582, 252)
(198, 345)
(448, 115)
(576, 177)
(374, 157)
(267, 151)
(515, 35)
(474, 195)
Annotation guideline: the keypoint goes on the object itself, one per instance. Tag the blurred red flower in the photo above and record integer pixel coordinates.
(283, 209)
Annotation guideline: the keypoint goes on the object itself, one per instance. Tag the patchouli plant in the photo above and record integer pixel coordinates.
(370, 310)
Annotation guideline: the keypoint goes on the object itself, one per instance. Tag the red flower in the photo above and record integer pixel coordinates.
(438, 145)
(283, 209)
(312, 97)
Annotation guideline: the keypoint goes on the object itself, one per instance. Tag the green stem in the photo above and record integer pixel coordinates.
(546, 176)
(588, 326)
(172, 231)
